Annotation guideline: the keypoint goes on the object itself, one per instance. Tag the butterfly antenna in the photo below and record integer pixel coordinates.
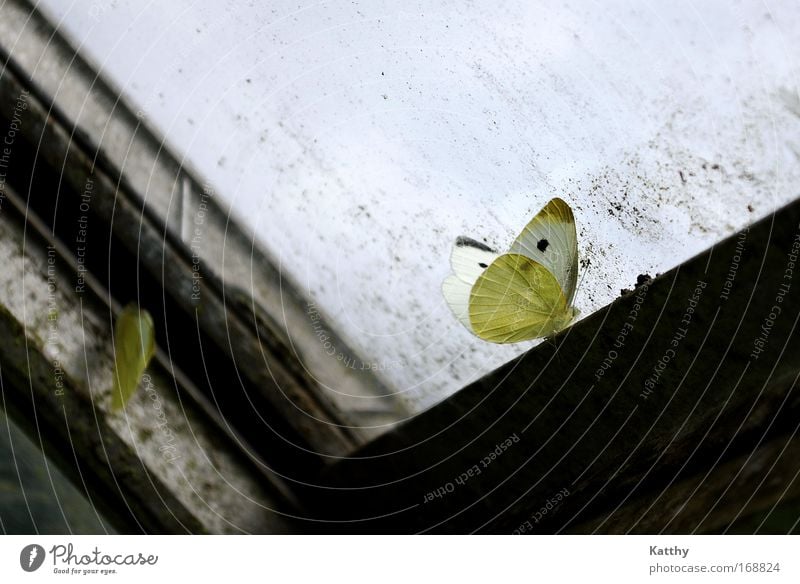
(580, 281)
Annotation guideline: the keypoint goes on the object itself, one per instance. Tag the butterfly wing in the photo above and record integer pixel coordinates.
(517, 299)
(469, 260)
(551, 240)
(134, 345)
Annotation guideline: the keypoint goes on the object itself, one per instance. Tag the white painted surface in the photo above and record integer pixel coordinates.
(360, 138)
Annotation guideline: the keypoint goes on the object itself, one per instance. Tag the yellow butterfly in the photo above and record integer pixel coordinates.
(524, 294)
(134, 345)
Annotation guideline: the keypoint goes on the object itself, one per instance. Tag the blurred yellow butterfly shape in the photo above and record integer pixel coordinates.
(134, 346)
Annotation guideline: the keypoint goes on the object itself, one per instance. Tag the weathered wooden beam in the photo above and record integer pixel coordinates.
(134, 248)
(654, 388)
(709, 501)
(64, 423)
(158, 466)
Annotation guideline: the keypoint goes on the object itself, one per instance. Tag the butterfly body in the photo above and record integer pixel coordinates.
(524, 294)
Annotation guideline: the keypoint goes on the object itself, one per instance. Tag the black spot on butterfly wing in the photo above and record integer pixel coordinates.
(542, 245)
(481, 264)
